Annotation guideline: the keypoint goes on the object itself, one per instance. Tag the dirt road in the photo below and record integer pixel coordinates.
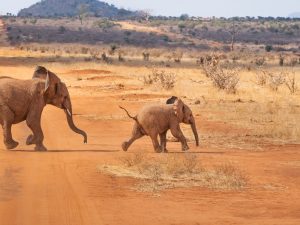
(62, 186)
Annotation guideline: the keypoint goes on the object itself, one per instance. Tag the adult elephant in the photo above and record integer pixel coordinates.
(25, 100)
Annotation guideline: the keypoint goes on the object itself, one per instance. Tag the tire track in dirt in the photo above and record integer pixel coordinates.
(47, 192)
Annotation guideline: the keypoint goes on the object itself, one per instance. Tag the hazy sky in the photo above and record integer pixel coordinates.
(218, 8)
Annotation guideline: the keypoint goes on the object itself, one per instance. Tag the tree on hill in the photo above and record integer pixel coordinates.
(82, 11)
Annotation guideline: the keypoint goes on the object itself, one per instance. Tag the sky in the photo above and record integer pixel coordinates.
(204, 8)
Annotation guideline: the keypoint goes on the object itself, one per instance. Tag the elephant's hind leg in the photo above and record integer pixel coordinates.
(8, 140)
(136, 134)
(7, 121)
(155, 143)
(163, 141)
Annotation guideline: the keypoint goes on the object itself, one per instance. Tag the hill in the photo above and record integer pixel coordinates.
(57, 8)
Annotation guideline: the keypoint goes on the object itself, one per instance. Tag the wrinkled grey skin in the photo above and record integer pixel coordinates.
(155, 120)
(25, 100)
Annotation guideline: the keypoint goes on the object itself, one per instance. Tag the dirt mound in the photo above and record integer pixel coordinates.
(106, 77)
(143, 96)
(88, 71)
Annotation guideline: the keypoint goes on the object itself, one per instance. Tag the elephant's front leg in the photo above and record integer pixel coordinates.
(177, 133)
(30, 140)
(34, 123)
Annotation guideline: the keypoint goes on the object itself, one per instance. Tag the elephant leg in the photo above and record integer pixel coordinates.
(136, 134)
(38, 137)
(155, 143)
(8, 140)
(177, 133)
(163, 141)
(8, 118)
(30, 140)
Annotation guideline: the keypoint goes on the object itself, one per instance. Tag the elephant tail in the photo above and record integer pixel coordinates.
(135, 119)
(132, 117)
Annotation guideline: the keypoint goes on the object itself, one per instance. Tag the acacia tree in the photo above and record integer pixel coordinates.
(233, 31)
(144, 14)
(82, 11)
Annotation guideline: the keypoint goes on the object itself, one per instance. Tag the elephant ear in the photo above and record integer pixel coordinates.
(178, 108)
(61, 89)
(51, 80)
(40, 72)
(171, 100)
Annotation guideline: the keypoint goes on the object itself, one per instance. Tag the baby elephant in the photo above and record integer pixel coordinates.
(157, 119)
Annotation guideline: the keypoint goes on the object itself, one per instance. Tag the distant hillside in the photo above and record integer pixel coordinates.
(295, 15)
(54, 8)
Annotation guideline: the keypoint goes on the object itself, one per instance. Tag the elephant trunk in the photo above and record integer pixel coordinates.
(67, 106)
(193, 126)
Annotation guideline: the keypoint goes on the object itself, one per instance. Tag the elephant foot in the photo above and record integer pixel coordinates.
(40, 148)
(125, 146)
(30, 140)
(159, 150)
(185, 148)
(11, 145)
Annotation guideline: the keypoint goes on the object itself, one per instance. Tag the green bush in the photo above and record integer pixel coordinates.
(268, 48)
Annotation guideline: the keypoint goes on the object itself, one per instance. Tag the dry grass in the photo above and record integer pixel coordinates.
(267, 122)
(173, 171)
(261, 77)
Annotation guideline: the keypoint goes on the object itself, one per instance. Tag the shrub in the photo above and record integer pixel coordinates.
(105, 24)
(105, 58)
(33, 21)
(281, 60)
(224, 79)
(112, 50)
(268, 48)
(160, 77)
(261, 77)
(146, 56)
(276, 80)
(260, 61)
(290, 82)
(62, 29)
(292, 62)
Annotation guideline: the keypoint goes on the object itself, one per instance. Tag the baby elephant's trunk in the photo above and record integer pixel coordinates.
(193, 126)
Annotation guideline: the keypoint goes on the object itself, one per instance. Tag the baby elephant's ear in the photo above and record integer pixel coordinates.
(178, 108)
(40, 72)
(171, 100)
